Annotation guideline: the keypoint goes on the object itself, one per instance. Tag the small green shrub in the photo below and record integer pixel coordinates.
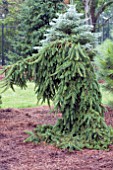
(104, 63)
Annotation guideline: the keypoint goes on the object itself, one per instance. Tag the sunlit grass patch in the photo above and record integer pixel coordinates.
(24, 98)
(21, 98)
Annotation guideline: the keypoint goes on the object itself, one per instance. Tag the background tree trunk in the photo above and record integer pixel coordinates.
(92, 11)
(67, 1)
(87, 10)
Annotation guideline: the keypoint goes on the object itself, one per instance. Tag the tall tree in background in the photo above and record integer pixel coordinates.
(94, 8)
(10, 8)
(34, 18)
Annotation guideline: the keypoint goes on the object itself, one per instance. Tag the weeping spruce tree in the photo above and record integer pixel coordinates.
(63, 73)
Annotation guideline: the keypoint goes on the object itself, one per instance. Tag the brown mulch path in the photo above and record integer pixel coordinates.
(16, 155)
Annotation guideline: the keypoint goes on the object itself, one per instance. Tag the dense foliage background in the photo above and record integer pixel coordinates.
(33, 18)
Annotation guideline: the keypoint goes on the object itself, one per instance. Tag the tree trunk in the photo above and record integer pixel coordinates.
(87, 10)
(92, 13)
(67, 1)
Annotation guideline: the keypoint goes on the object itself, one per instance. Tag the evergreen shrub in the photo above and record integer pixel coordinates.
(104, 62)
(63, 73)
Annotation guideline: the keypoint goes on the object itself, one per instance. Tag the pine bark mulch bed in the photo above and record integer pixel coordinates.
(16, 155)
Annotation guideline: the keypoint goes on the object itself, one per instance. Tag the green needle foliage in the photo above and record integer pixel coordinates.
(33, 18)
(68, 79)
(63, 73)
(104, 62)
(71, 25)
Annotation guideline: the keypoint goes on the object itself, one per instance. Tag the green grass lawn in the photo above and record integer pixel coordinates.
(27, 98)
(20, 98)
(107, 97)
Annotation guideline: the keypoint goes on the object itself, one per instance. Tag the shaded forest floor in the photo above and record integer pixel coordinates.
(16, 155)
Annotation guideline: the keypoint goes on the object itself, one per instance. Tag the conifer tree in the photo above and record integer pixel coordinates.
(64, 74)
(33, 19)
(104, 62)
(72, 25)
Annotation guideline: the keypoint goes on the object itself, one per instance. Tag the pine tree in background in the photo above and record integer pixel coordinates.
(34, 18)
(104, 62)
(64, 74)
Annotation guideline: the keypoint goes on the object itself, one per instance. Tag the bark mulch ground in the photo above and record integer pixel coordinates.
(16, 155)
